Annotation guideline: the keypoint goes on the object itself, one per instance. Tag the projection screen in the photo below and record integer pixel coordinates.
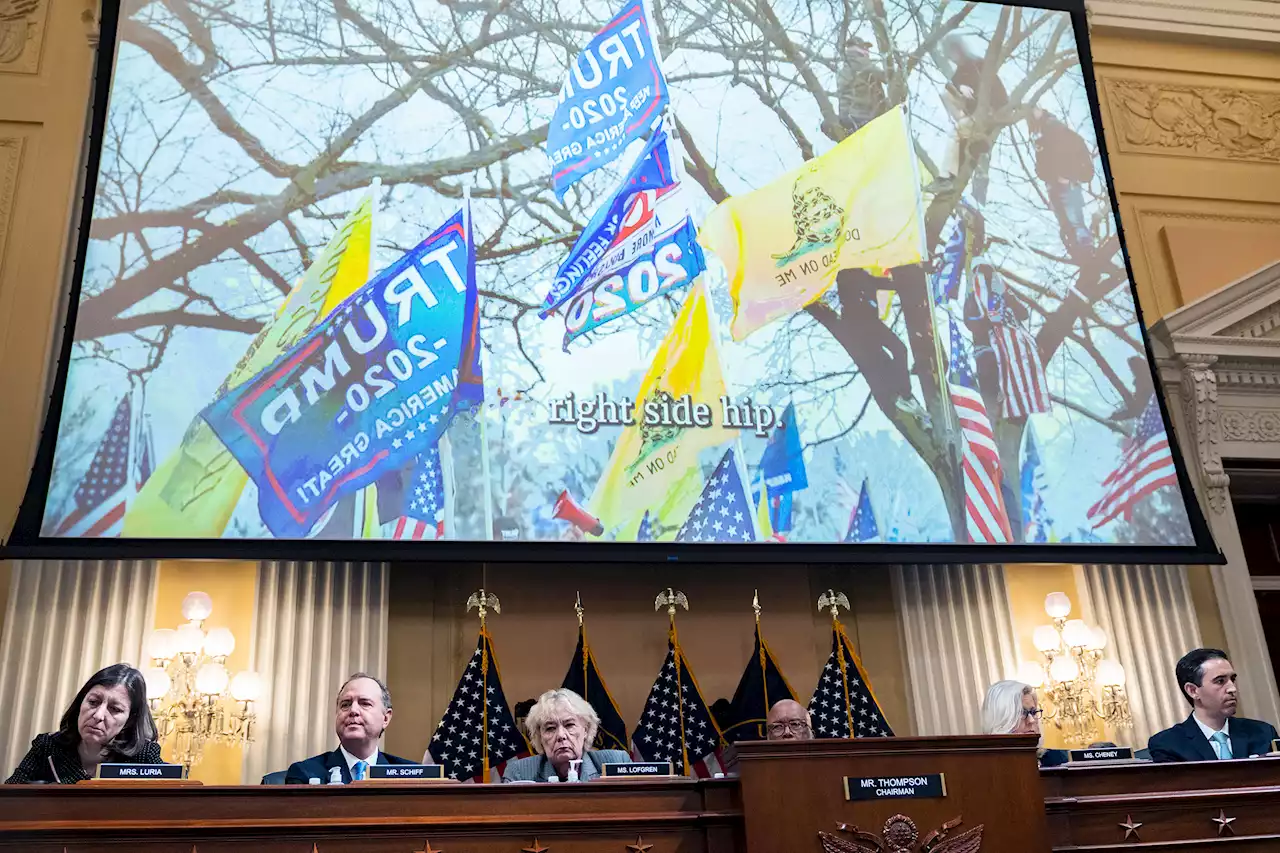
(397, 278)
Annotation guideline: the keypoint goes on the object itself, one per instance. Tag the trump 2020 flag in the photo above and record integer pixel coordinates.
(478, 735)
(369, 388)
(612, 95)
(858, 205)
(650, 177)
(782, 464)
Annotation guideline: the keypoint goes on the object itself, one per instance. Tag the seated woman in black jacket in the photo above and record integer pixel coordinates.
(1011, 708)
(108, 721)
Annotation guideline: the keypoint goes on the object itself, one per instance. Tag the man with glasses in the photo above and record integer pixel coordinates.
(788, 720)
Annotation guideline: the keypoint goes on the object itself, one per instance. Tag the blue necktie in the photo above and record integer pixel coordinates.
(1224, 745)
(358, 772)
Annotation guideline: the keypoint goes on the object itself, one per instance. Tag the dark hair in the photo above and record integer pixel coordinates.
(138, 730)
(386, 694)
(522, 708)
(1190, 670)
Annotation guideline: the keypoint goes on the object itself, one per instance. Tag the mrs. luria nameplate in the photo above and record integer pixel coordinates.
(406, 771)
(638, 769)
(140, 771)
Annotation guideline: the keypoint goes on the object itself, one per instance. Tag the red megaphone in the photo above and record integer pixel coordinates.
(568, 509)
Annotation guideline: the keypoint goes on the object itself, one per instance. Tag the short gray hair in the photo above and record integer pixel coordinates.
(544, 709)
(386, 694)
(1002, 707)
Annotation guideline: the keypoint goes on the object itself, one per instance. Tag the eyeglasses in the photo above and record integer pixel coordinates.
(798, 727)
(1033, 713)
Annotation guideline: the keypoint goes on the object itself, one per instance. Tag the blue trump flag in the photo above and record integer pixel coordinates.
(368, 389)
(782, 465)
(862, 524)
(612, 95)
(946, 279)
(1037, 525)
(650, 177)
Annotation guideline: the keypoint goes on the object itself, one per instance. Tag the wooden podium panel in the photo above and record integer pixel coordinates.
(669, 814)
(1225, 805)
(792, 790)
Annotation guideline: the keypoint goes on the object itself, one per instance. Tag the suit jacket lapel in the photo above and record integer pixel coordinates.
(1200, 745)
(1241, 746)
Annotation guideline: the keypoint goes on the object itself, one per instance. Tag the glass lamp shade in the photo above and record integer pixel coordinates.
(1110, 673)
(1031, 673)
(1076, 634)
(1064, 669)
(197, 606)
(158, 682)
(162, 644)
(1098, 641)
(246, 687)
(1046, 639)
(219, 642)
(1057, 605)
(212, 679)
(188, 639)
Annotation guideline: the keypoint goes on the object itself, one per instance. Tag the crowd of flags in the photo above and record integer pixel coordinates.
(477, 734)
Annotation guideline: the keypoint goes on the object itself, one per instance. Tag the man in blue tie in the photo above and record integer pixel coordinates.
(363, 714)
(1213, 732)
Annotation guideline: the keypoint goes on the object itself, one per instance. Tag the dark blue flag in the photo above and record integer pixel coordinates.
(762, 686)
(645, 532)
(368, 389)
(782, 465)
(1037, 525)
(612, 95)
(946, 278)
(650, 177)
(584, 679)
(862, 524)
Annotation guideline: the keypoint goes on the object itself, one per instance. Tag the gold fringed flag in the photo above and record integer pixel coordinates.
(843, 705)
(857, 206)
(195, 489)
(651, 459)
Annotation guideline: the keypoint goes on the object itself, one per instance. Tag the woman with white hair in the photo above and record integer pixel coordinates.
(561, 727)
(1011, 708)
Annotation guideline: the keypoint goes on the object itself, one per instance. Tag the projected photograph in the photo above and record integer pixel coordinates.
(778, 272)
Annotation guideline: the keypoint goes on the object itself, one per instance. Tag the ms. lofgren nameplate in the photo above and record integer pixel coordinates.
(929, 785)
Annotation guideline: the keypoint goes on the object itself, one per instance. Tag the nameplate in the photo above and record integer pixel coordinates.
(406, 771)
(929, 785)
(639, 768)
(1101, 753)
(139, 771)
(1275, 746)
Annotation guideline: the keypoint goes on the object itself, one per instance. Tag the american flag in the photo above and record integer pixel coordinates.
(676, 725)
(862, 524)
(1145, 465)
(1024, 388)
(118, 470)
(478, 732)
(1037, 525)
(645, 532)
(843, 704)
(985, 514)
(417, 507)
(723, 512)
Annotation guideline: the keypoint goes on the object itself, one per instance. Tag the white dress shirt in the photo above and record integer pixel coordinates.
(351, 761)
(1209, 733)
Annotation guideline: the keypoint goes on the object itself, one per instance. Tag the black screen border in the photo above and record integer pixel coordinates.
(26, 541)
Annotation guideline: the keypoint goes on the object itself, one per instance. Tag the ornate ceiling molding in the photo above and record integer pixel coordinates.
(1229, 20)
(1195, 120)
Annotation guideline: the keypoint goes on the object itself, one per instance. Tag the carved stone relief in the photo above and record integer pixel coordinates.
(1200, 402)
(91, 17)
(1250, 425)
(10, 163)
(1195, 121)
(21, 33)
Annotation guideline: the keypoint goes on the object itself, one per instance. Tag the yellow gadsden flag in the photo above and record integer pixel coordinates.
(652, 457)
(858, 205)
(195, 489)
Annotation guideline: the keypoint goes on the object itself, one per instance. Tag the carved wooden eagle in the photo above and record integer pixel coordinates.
(901, 836)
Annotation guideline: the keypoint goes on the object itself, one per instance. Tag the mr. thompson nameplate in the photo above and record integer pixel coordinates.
(928, 785)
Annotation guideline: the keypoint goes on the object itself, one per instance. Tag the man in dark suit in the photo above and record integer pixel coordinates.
(363, 714)
(1213, 732)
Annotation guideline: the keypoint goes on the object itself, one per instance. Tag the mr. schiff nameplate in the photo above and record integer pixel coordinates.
(406, 771)
(928, 785)
(638, 769)
(139, 771)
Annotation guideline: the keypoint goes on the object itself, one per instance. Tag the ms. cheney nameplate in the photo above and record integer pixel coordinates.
(140, 771)
(638, 769)
(406, 771)
(1101, 753)
(928, 785)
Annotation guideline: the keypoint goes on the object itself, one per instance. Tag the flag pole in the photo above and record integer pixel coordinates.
(834, 601)
(582, 632)
(670, 598)
(486, 494)
(483, 602)
(764, 669)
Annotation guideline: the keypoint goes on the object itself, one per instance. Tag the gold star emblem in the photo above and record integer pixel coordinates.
(639, 846)
(1224, 822)
(1130, 828)
(535, 847)
(427, 848)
